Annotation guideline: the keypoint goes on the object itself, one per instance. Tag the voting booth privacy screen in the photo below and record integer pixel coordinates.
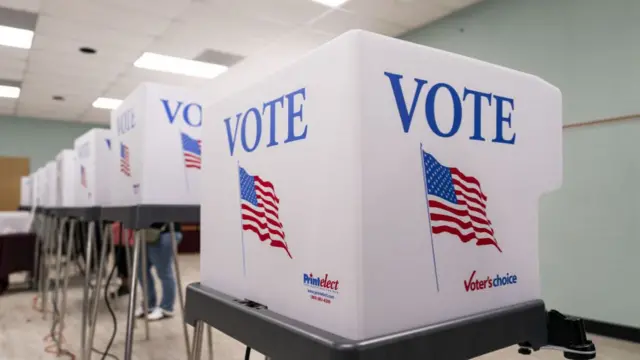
(66, 162)
(93, 169)
(377, 185)
(157, 147)
(50, 198)
(25, 190)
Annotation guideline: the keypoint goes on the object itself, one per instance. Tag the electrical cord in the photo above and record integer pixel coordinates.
(247, 353)
(106, 353)
(113, 315)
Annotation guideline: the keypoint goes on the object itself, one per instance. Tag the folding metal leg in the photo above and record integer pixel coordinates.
(128, 345)
(210, 342)
(96, 298)
(85, 295)
(196, 348)
(145, 286)
(70, 249)
(49, 240)
(58, 271)
(124, 241)
(176, 263)
(37, 226)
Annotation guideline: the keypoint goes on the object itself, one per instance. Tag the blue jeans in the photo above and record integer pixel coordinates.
(160, 255)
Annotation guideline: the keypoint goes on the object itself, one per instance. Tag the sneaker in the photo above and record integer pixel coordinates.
(140, 311)
(159, 314)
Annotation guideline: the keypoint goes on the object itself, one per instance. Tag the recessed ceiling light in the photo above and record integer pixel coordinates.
(14, 37)
(88, 50)
(330, 3)
(180, 66)
(12, 92)
(106, 103)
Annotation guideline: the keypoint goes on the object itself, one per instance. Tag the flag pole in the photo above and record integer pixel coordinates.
(184, 160)
(244, 266)
(426, 192)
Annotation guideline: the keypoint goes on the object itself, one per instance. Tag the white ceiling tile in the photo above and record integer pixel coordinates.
(12, 69)
(201, 37)
(219, 22)
(91, 35)
(295, 12)
(39, 95)
(409, 14)
(107, 51)
(75, 65)
(7, 106)
(11, 53)
(24, 5)
(101, 14)
(96, 116)
(338, 22)
(156, 8)
(62, 84)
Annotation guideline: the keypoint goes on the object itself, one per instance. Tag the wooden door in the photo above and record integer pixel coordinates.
(11, 170)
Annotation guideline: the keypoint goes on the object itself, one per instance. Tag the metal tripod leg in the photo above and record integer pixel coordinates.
(70, 248)
(196, 348)
(124, 241)
(176, 263)
(128, 344)
(85, 295)
(145, 286)
(96, 298)
(210, 342)
(49, 238)
(58, 271)
(36, 263)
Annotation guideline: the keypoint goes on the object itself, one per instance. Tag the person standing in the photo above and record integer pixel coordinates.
(159, 256)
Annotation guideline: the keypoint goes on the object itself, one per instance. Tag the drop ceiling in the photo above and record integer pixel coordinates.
(260, 35)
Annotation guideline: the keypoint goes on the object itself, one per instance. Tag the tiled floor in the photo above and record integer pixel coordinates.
(22, 332)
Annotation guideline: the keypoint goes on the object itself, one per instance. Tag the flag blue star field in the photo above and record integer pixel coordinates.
(457, 205)
(192, 152)
(260, 210)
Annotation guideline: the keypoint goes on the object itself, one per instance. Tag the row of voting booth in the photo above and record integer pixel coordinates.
(143, 170)
(375, 199)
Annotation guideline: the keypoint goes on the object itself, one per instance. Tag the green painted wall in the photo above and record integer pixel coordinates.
(589, 240)
(40, 140)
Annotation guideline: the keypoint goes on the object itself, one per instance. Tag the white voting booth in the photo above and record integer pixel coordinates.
(377, 185)
(157, 147)
(93, 150)
(51, 183)
(25, 190)
(67, 178)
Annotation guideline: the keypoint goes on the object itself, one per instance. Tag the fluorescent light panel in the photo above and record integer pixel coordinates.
(174, 65)
(12, 92)
(330, 3)
(14, 37)
(106, 103)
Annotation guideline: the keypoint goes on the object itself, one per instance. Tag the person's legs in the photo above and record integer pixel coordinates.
(162, 254)
(151, 296)
(123, 271)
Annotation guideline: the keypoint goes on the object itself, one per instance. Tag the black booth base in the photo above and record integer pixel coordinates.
(143, 216)
(282, 338)
(82, 213)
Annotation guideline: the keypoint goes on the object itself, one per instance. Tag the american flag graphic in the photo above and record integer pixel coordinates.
(192, 149)
(125, 166)
(260, 210)
(83, 176)
(457, 204)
